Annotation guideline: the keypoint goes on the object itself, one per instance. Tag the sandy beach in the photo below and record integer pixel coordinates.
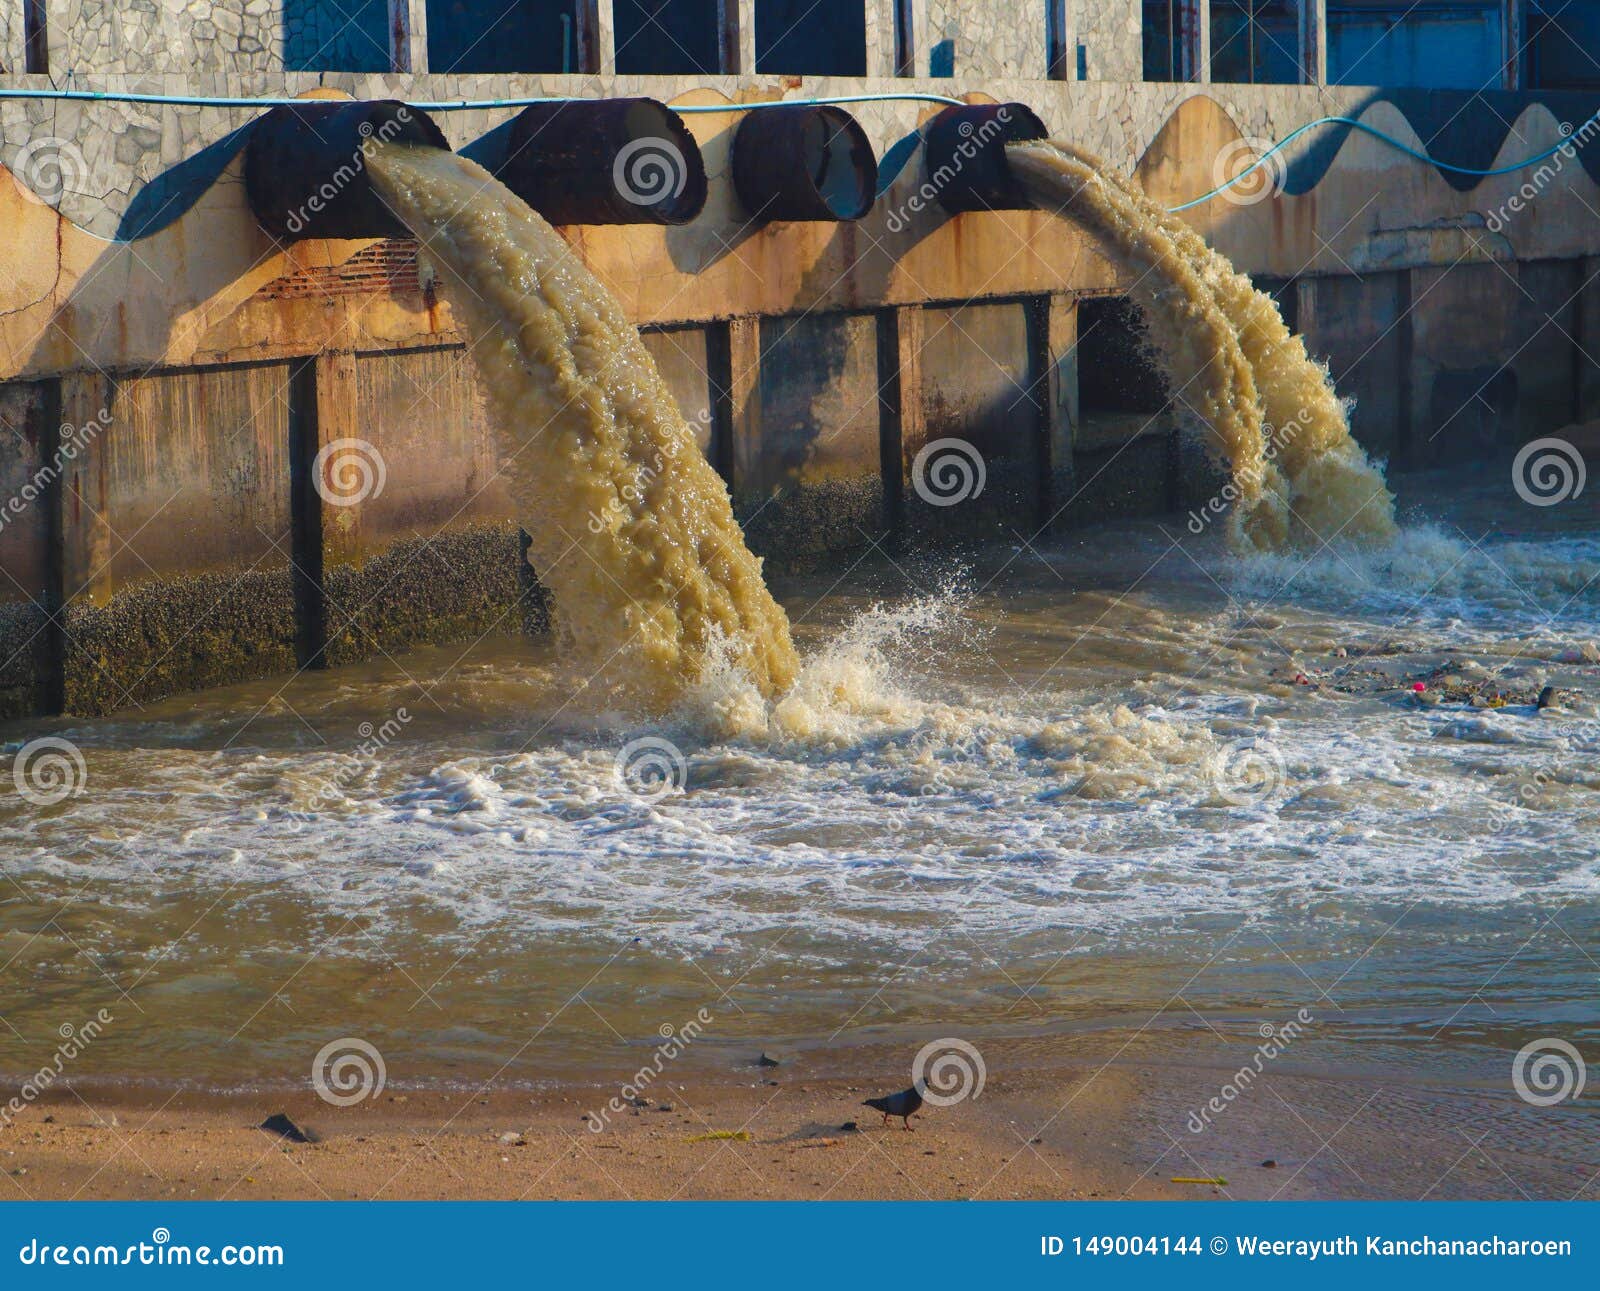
(1042, 1128)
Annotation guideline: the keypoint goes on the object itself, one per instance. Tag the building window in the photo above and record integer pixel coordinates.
(905, 51)
(36, 37)
(1563, 40)
(1168, 42)
(668, 37)
(508, 36)
(1055, 39)
(811, 37)
(337, 36)
(1255, 42)
(1434, 46)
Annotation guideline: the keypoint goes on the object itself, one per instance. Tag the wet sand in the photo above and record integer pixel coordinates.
(1042, 1128)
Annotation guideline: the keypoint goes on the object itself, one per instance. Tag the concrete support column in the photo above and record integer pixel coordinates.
(1314, 41)
(745, 34)
(1197, 15)
(335, 417)
(1513, 31)
(881, 42)
(744, 402)
(85, 529)
(600, 47)
(1060, 356)
(408, 35)
(1587, 307)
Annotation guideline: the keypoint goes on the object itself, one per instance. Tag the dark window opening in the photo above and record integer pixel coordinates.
(1255, 42)
(337, 36)
(811, 37)
(1431, 46)
(668, 37)
(36, 35)
(1119, 372)
(497, 36)
(1166, 40)
(1055, 39)
(1563, 37)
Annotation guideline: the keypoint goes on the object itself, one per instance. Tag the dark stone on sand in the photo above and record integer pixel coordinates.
(663, 1107)
(1269, 1164)
(849, 1127)
(281, 1125)
(765, 1061)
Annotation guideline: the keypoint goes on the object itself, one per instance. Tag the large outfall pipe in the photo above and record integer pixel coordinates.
(305, 167)
(965, 153)
(804, 162)
(605, 161)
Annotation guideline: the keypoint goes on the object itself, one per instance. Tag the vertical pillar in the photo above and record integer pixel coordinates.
(1588, 339)
(729, 25)
(901, 344)
(746, 35)
(601, 49)
(883, 43)
(83, 522)
(408, 35)
(322, 409)
(1060, 355)
(1314, 42)
(1195, 35)
(1513, 31)
(744, 402)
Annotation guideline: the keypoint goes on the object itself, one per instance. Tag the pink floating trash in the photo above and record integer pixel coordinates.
(1419, 686)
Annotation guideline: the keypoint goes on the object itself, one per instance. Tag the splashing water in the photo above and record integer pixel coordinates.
(632, 531)
(1271, 411)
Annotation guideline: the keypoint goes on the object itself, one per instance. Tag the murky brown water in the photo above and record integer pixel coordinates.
(1072, 793)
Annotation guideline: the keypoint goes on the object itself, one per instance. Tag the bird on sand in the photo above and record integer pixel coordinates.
(906, 1104)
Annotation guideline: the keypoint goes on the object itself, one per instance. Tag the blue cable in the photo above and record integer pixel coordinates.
(459, 105)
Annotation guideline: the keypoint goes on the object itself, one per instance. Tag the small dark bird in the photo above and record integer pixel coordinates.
(906, 1104)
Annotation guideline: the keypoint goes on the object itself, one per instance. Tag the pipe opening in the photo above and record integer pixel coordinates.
(305, 170)
(965, 154)
(605, 161)
(804, 163)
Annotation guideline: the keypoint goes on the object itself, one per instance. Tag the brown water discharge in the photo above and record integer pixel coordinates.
(633, 533)
(1298, 474)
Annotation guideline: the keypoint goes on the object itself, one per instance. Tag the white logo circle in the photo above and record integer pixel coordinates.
(1548, 471)
(947, 1071)
(348, 472)
(1248, 772)
(649, 171)
(1247, 171)
(1548, 1071)
(650, 768)
(49, 168)
(947, 471)
(160, 1236)
(348, 1071)
(49, 770)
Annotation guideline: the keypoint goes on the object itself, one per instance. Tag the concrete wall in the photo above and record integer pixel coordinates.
(196, 369)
